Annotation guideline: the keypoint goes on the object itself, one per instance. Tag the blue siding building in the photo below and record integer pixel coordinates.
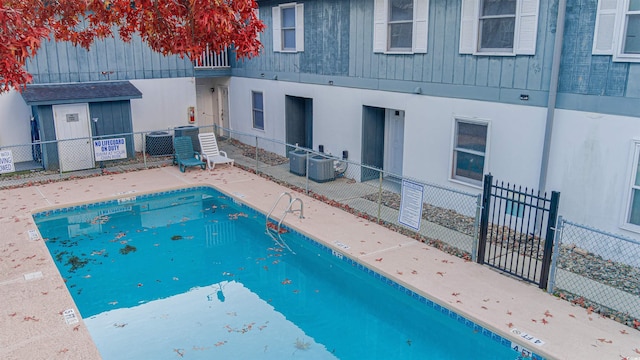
(448, 90)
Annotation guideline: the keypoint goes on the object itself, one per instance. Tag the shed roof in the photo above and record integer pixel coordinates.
(52, 94)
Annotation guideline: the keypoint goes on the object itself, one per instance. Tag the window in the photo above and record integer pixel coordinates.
(400, 26)
(499, 27)
(257, 107)
(515, 205)
(469, 151)
(631, 35)
(617, 30)
(633, 208)
(288, 27)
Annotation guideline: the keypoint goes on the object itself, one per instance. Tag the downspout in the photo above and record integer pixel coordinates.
(553, 94)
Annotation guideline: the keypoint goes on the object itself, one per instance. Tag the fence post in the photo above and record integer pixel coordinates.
(484, 218)
(476, 229)
(58, 142)
(556, 252)
(144, 150)
(549, 238)
(306, 171)
(257, 157)
(379, 197)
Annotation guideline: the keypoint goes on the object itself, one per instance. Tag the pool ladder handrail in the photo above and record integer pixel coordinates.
(288, 210)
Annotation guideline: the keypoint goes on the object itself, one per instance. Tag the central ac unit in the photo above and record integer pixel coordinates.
(321, 169)
(298, 162)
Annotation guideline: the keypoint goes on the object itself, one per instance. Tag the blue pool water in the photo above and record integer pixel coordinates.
(191, 274)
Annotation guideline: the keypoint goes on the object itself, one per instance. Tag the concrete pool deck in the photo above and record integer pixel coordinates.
(34, 324)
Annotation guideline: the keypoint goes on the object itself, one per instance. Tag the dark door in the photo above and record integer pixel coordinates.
(372, 141)
(299, 121)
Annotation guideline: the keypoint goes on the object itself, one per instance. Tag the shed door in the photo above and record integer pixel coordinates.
(72, 122)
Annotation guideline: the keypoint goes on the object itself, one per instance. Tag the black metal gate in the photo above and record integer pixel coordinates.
(516, 230)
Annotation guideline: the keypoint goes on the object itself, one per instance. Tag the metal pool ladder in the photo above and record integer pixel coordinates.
(274, 232)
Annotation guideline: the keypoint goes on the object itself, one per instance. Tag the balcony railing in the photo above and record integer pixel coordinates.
(210, 60)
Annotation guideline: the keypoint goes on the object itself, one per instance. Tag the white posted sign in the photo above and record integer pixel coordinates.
(411, 204)
(6, 162)
(110, 149)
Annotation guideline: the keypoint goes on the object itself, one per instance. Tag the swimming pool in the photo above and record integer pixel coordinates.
(190, 273)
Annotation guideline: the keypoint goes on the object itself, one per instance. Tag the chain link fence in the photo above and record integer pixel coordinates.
(48, 161)
(598, 271)
(449, 218)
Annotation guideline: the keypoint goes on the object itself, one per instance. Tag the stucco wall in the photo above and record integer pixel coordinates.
(164, 103)
(15, 128)
(590, 155)
(516, 132)
(591, 163)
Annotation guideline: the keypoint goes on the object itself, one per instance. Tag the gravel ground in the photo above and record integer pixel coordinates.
(264, 156)
(599, 310)
(592, 266)
(444, 217)
(615, 274)
(595, 267)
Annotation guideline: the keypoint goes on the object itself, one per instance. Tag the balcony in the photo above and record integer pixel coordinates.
(211, 64)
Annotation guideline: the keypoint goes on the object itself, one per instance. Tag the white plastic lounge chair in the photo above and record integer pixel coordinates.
(210, 151)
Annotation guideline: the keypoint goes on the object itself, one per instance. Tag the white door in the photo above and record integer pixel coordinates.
(394, 141)
(205, 101)
(223, 105)
(72, 122)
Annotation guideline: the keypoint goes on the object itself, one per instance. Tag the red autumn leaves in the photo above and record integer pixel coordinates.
(182, 27)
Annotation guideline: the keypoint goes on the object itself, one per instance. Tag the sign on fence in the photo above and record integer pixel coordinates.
(411, 204)
(110, 149)
(6, 162)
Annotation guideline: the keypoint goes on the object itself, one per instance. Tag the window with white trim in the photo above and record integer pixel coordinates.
(617, 30)
(288, 27)
(469, 151)
(633, 208)
(400, 26)
(257, 106)
(499, 27)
